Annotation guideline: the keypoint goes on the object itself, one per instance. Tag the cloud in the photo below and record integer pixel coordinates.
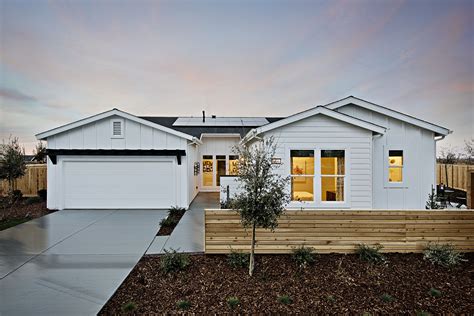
(15, 95)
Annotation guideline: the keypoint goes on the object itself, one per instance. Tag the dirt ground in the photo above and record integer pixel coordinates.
(334, 284)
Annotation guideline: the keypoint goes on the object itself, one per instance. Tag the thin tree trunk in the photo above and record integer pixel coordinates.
(446, 171)
(252, 251)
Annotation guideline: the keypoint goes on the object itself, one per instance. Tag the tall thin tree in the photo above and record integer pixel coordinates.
(263, 193)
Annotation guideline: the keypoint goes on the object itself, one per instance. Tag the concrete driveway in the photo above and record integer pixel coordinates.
(71, 262)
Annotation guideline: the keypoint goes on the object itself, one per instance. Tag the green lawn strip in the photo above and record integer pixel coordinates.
(7, 223)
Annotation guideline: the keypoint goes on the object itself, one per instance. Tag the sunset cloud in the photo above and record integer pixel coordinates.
(61, 61)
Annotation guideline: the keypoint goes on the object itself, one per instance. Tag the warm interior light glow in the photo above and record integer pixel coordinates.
(207, 170)
(302, 171)
(332, 175)
(395, 163)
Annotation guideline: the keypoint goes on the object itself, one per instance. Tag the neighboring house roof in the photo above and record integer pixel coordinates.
(315, 111)
(199, 129)
(439, 130)
(100, 116)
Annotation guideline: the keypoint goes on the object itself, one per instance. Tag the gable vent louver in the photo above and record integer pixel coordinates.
(117, 128)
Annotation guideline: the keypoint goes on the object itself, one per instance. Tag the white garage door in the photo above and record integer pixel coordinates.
(119, 184)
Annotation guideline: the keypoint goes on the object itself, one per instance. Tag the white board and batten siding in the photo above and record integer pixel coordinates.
(98, 135)
(324, 133)
(419, 152)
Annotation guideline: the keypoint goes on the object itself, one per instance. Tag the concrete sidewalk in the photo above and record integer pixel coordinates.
(188, 235)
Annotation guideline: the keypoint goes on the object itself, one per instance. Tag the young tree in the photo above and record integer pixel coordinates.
(12, 162)
(263, 194)
(40, 152)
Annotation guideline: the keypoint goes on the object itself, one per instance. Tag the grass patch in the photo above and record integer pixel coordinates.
(7, 223)
(435, 292)
(233, 302)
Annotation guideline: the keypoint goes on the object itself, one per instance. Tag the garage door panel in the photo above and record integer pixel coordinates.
(119, 184)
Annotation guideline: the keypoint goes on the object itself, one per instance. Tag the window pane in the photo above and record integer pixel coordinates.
(207, 168)
(332, 162)
(233, 165)
(332, 189)
(395, 157)
(302, 189)
(395, 174)
(302, 162)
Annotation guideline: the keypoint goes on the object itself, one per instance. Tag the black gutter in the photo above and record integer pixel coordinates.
(53, 153)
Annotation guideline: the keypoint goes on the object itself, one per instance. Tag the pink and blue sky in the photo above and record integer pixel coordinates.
(63, 60)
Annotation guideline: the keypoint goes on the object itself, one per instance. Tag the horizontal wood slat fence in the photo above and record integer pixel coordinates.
(341, 231)
(33, 180)
(458, 175)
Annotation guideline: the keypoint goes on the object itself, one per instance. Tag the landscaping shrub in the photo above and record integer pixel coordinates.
(169, 221)
(226, 204)
(387, 298)
(443, 254)
(43, 194)
(435, 292)
(129, 307)
(176, 211)
(33, 200)
(422, 313)
(233, 302)
(371, 254)
(183, 304)
(173, 261)
(285, 299)
(238, 259)
(331, 298)
(303, 256)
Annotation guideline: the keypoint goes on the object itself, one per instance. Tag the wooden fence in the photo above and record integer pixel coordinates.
(341, 231)
(33, 180)
(458, 175)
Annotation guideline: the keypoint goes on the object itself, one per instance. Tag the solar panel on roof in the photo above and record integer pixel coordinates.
(221, 121)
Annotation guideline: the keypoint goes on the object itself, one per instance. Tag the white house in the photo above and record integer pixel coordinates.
(347, 154)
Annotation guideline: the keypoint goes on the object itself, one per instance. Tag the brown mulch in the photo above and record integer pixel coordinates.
(334, 284)
(22, 210)
(167, 230)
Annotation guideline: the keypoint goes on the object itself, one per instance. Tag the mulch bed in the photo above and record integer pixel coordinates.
(334, 284)
(21, 211)
(174, 219)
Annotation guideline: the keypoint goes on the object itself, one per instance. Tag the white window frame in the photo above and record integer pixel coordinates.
(122, 129)
(321, 176)
(302, 175)
(386, 167)
(317, 203)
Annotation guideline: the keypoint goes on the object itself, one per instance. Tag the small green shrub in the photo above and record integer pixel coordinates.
(176, 211)
(331, 298)
(173, 261)
(233, 302)
(435, 292)
(33, 200)
(238, 259)
(443, 254)
(43, 194)
(387, 298)
(169, 221)
(371, 254)
(129, 307)
(183, 304)
(285, 299)
(422, 313)
(303, 256)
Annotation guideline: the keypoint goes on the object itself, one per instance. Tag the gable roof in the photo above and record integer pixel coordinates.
(439, 130)
(103, 115)
(316, 111)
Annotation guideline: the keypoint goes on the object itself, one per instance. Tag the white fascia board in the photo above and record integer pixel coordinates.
(100, 116)
(388, 112)
(319, 110)
(222, 135)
